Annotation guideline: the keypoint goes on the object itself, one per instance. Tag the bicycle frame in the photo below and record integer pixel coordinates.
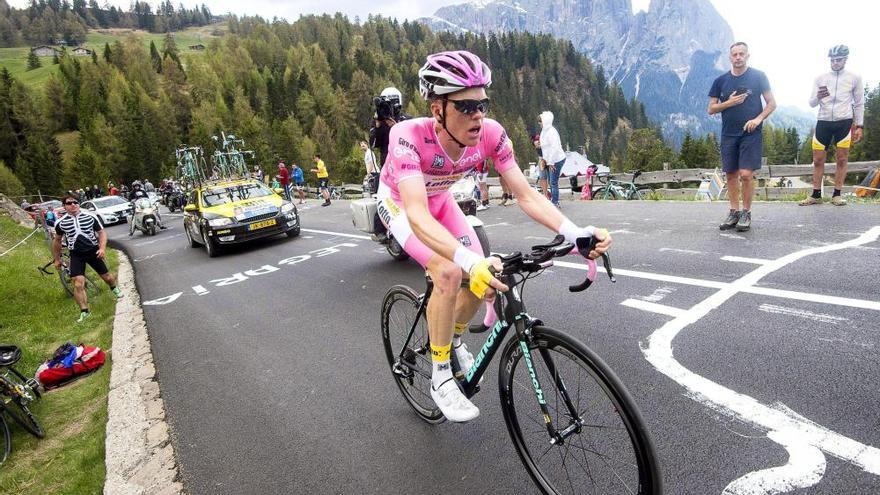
(513, 311)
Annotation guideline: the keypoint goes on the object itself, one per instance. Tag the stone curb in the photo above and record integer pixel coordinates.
(139, 455)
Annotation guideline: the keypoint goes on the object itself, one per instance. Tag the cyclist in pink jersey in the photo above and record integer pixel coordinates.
(425, 157)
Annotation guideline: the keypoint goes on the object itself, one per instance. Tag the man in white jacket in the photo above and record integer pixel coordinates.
(551, 150)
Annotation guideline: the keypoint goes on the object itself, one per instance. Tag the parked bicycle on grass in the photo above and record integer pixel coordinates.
(572, 421)
(16, 394)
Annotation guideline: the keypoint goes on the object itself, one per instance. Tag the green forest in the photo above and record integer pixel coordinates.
(290, 90)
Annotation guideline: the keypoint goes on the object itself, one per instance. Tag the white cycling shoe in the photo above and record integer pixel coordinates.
(452, 402)
(465, 359)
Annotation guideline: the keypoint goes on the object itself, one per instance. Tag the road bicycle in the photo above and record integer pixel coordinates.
(16, 394)
(617, 189)
(91, 284)
(573, 423)
(335, 193)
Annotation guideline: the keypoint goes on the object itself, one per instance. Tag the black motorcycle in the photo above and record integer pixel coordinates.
(174, 200)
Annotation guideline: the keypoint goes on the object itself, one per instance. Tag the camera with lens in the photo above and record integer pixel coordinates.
(387, 107)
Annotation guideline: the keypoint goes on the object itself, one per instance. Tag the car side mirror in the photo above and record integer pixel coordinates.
(190, 208)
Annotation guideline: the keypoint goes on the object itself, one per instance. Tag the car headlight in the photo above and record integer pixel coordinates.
(286, 208)
(219, 222)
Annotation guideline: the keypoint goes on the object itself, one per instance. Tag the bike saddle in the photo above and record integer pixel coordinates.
(9, 355)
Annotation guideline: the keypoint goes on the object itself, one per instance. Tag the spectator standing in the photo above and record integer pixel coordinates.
(840, 95)
(543, 172)
(257, 173)
(737, 95)
(112, 190)
(96, 191)
(483, 183)
(299, 181)
(552, 152)
(148, 186)
(85, 238)
(323, 179)
(372, 177)
(284, 179)
(24, 204)
(88, 192)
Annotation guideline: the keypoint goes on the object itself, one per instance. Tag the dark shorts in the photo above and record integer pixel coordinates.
(323, 182)
(828, 133)
(741, 152)
(78, 262)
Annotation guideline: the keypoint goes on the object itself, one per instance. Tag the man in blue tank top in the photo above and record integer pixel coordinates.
(737, 95)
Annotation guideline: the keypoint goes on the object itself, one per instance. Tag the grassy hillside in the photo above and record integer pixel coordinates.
(37, 316)
(15, 59)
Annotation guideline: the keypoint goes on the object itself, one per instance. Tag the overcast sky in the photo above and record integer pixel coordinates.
(788, 39)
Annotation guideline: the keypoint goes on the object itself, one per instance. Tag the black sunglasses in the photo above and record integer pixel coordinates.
(71, 203)
(470, 107)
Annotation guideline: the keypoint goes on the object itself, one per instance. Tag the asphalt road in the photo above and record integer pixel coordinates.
(753, 356)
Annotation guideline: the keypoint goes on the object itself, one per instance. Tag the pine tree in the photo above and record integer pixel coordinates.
(33, 62)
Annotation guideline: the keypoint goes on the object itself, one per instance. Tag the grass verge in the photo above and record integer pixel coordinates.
(37, 316)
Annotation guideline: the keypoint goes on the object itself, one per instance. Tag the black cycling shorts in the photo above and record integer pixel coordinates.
(78, 262)
(828, 133)
(322, 182)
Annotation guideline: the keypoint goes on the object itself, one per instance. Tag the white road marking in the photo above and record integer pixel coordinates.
(163, 300)
(683, 251)
(144, 243)
(496, 224)
(738, 259)
(805, 468)
(658, 351)
(621, 231)
(659, 294)
(653, 307)
(732, 236)
(143, 258)
(353, 236)
(200, 290)
(800, 313)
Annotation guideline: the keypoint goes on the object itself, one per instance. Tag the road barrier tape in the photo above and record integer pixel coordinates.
(20, 242)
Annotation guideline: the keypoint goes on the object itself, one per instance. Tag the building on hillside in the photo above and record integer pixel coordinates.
(198, 47)
(81, 51)
(45, 51)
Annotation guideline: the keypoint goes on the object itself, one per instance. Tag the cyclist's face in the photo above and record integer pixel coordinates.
(467, 128)
(838, 63)
(739, 56)
(71, 206)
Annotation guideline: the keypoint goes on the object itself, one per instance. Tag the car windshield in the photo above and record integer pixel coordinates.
(229, 194)
(108, 201)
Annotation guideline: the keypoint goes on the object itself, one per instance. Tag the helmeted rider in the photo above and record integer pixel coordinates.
(840, 96)
(138, 192)
(428, 155)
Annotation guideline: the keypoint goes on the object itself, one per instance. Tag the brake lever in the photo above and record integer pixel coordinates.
(585, 245)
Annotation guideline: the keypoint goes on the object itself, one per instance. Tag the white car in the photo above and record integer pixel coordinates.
(109, 209)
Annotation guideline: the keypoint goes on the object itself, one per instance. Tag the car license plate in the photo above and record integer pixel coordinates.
(260, 225)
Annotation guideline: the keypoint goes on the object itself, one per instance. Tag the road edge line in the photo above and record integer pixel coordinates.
(139, 456)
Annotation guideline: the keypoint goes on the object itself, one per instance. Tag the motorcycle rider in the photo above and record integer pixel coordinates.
(138, 192)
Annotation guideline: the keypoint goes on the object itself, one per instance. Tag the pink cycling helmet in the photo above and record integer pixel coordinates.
(448, 72)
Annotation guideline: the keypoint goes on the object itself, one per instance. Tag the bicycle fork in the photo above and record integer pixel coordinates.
(557, 437)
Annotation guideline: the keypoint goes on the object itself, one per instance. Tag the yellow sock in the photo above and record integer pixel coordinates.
(440, 353)
(460, 328)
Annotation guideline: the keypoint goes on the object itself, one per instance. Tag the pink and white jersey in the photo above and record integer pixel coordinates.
(415, 152)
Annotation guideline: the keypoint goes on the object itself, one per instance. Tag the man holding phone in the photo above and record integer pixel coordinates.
(737, 95)
(840, 95)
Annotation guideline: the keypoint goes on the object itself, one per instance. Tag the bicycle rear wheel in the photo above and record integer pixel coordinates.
(643, 193)
(606, 448)
(16, 395)
(410, 366)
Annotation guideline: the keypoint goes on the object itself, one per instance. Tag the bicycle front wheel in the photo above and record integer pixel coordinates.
(14, 401)
(605, 446)
(410, 362)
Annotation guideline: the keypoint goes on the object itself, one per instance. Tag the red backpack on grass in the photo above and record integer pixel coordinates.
(70, 362)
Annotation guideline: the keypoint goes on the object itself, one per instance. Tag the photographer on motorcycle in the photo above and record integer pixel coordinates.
(137, 192)
(388, 112)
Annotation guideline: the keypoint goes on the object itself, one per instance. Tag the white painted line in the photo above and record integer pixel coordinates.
(659, 294)
(683, 251)
(496, 224)
(353, 236)
(621, 231)
(732, 236)
(658, 351)
(800, 313)
(805, 468)
(738, 259)
(200, 290)
(653, 307)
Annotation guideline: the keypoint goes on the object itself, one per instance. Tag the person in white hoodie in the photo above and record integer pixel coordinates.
(551, 150)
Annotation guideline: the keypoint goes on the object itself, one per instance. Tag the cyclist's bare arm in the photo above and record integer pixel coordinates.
(539, 208)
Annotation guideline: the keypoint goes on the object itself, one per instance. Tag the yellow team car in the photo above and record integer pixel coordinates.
(230, 212)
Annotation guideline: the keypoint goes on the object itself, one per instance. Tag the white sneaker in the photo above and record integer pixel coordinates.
(465, 359)
(452, 402)
(482, 207)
